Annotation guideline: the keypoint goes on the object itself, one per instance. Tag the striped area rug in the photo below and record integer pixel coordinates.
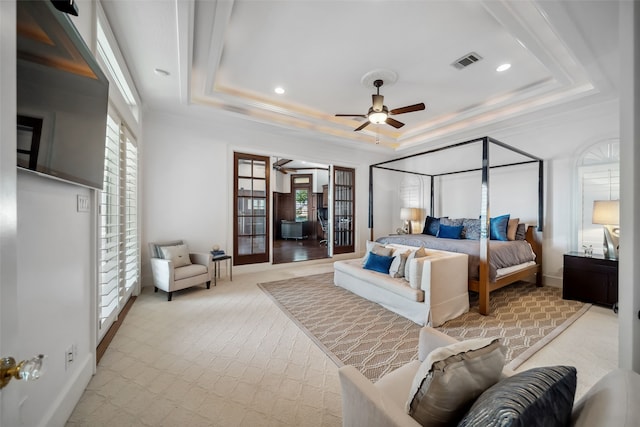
(354, 331)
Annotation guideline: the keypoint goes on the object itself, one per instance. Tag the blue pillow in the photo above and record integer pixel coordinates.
(431, 225)
(498, 227)
(379, 263)
(450, 231)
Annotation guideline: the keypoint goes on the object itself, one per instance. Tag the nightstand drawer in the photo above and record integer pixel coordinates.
(590, 279)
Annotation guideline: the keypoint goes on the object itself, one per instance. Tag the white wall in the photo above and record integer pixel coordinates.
(56, 291)
(188, 177)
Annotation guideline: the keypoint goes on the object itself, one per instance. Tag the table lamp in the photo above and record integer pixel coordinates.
(607, 213)
(409, 215)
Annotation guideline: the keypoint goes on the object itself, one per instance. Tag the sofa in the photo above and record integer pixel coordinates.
(612, 401)
(435, 291)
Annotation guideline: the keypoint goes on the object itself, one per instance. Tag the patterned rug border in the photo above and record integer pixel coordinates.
(526, 355)
(513, 364)
(304, 329)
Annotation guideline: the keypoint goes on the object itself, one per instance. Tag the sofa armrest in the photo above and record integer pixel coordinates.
(430, 339)
(363, 405)
(452, 268)
(201, 258)
(612, 401)
(163, 273)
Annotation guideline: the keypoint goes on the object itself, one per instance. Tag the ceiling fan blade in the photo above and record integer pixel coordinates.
(393, 122)
(351, 115)
(378, 101)
(362, 126)
(408, 109)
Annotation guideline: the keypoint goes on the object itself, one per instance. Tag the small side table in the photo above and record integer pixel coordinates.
(216, 267)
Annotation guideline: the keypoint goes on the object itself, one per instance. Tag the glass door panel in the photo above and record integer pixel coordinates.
(343, 210)
(251, 213)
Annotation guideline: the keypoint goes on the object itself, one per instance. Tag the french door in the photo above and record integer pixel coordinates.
(344, 190)
(251, 213)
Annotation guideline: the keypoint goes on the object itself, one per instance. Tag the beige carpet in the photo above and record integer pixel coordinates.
(355, 331)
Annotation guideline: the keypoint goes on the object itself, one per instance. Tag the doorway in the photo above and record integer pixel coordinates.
(300, 203)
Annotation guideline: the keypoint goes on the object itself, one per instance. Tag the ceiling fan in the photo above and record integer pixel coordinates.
(379, 113)
(279, 166)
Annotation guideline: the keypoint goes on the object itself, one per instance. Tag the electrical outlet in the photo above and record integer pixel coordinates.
(83, 203)
(69, 356)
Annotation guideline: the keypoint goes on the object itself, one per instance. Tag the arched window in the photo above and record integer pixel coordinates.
(598, 178)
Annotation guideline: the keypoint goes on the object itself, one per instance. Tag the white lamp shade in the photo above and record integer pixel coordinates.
(378, 118)
(606, 212)
(409, 214)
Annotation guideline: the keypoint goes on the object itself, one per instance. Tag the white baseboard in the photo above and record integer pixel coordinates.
(552, 281)
(70, 395)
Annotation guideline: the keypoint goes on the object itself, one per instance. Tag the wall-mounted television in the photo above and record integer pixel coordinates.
(62, 98)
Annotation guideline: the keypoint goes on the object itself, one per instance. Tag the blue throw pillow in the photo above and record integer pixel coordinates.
(431, 225)
(379, 263)
(498, 227)
(450, 231)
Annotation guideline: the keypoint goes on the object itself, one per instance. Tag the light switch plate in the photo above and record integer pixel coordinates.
(83, 203)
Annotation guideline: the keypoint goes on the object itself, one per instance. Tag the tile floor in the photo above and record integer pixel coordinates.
(229, 357)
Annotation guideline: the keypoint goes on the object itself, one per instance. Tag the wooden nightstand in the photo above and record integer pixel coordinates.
(590, 279)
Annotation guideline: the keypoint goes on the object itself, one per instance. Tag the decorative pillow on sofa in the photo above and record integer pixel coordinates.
(498, 227)
(451, 378)
(379, 263)
(449, 231)
(396, 270)
(178, 254)
(471, 228)
(539, 397)
(512, 227)
(431, 225)
(418, 253)
(376, 248)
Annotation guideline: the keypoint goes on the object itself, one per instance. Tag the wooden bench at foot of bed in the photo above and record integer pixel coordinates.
(484, 286)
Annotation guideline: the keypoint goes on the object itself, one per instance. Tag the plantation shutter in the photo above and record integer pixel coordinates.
(119, 238)
(109, 230)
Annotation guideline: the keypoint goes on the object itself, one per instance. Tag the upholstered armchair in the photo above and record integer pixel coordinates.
(174, 268)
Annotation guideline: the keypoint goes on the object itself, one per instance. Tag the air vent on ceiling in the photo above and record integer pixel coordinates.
(466, 60)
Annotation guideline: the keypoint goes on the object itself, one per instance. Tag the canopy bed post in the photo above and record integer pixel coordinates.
(371, 203)
(432, 198)
(540, 193)
(483, 279)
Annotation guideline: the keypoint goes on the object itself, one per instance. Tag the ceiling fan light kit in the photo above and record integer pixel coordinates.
(379, 113)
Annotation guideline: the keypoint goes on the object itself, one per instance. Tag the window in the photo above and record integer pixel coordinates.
(251, 209)
(301, 187)
(118, 234)
(598, 177)
(119, 251)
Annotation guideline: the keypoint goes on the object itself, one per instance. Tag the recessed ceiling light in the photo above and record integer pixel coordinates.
(279, 90)
(161, 72)
(503, 67)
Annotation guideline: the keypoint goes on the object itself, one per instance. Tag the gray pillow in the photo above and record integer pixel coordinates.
(521, 231)
(539, 397)
(178, 254)
(451, 378)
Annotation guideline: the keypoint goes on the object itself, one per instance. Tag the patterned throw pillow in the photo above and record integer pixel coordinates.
(431, 225)
(451, 378)
(471, 228)
(539, 397)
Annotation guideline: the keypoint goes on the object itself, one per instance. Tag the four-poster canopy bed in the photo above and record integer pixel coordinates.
(483, 278)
